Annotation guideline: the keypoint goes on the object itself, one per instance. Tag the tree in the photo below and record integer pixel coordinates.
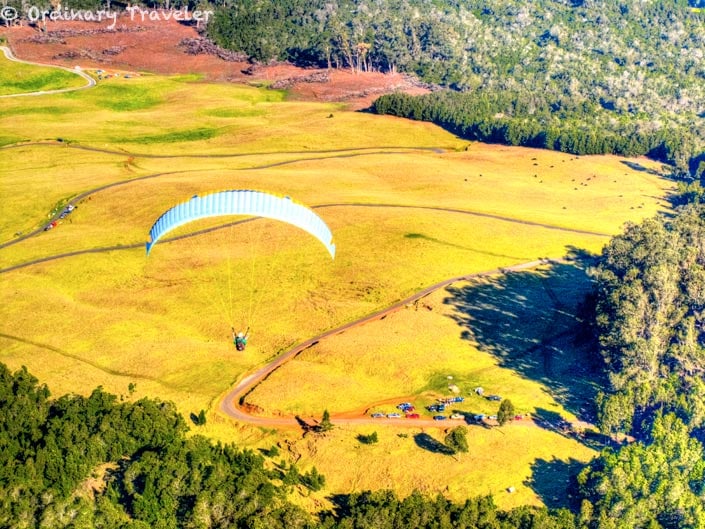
(505, 412)
(368, 439)
(657, 483)
(325, 424)
(456, 440)
(313, 480)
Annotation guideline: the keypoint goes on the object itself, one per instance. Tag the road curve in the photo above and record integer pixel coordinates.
(231, 402)
(90, 82)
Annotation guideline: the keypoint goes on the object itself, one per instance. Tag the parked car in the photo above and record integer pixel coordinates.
(378, 415)
(479, 417)
(404, 405)
(493, 397)
(413, 416)
(492, 417)
(393, 416)
(457, 416)
(439, 417)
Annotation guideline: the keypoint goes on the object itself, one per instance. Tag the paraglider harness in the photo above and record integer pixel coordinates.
(240, 339)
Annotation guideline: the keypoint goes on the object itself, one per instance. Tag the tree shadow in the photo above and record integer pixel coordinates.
(638, 167)
(554, 482)
(425, 441)
(453, 245)
(550, 420)
(534, 323)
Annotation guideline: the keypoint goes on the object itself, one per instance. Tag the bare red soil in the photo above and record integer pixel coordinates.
(134, 44)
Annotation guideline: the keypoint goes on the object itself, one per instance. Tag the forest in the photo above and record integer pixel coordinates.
(104, 462)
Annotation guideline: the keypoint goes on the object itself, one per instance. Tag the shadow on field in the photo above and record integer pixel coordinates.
(582, 432)
(425, 441)
(421, 236)
(638, 167)
(554, 480)
(532, 322)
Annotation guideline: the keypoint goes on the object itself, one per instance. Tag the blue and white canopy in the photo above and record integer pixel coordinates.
(243, 202)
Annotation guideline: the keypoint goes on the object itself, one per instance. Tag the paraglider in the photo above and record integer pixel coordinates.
(243, 202)
(240, 339)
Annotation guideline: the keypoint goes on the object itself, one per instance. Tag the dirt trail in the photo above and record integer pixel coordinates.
(90, 81)
(231, 404)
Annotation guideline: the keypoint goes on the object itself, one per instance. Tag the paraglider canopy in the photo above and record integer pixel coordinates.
(243, 202)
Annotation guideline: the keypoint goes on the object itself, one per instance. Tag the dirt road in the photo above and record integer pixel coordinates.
(231, 404)
(90, 82)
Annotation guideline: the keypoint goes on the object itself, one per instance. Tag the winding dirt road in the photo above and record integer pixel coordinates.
(231, 403)
(90, 82)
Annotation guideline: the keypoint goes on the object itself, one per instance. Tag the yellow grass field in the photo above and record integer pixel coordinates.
(411, 354)
(409, 205)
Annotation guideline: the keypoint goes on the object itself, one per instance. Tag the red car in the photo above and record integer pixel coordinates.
(412, 416)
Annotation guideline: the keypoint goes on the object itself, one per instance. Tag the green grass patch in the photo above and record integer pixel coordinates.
(125, 97)
(188, 78)
(22, 78)
(177, 136)
(53, 110)
(235, 112)
(10, 140)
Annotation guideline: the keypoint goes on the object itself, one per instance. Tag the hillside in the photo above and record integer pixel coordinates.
(168, 47)
(488, 272)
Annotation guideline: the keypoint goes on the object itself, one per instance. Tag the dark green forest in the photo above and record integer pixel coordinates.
(650, 318)
(101, 462)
